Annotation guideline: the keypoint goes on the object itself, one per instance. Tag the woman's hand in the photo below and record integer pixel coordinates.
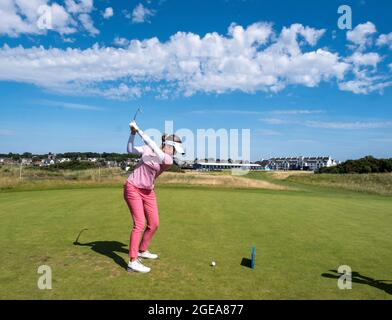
(134, 127)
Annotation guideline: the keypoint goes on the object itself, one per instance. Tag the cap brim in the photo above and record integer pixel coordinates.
(179, 149)
(177, 146)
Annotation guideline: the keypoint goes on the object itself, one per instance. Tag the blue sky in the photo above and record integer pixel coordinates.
(282, 69)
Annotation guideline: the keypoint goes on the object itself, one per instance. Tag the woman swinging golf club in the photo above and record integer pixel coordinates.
(139, 192)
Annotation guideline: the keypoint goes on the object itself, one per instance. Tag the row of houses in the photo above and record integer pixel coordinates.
(287, 163)
(298, 163)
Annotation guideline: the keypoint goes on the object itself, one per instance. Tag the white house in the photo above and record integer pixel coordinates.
(299, 163)
(26, 161)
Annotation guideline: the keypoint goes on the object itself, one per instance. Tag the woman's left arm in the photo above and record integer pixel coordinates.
(160, 154)
(131, 149)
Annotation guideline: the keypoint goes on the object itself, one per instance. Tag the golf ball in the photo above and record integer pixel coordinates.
(213, 263)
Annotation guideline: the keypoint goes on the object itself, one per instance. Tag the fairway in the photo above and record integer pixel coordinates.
(298, 235)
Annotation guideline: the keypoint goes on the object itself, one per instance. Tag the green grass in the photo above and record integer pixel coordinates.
(298, 235)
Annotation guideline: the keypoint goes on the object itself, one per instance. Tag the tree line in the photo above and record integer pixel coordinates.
(368, 164)
(107, 156)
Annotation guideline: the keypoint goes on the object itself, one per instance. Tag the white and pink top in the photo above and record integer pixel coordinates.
(152, 163)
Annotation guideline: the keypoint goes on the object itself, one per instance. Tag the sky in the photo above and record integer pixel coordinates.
(73, 72)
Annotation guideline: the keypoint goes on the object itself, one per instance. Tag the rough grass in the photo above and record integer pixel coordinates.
(376, 183)
(219, 180)
(281, 175)
(32, 173)
(33, 178)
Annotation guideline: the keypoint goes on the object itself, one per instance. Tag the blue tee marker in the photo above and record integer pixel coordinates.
(252, 258)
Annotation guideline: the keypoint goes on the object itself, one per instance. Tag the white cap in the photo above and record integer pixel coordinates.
(177, 146)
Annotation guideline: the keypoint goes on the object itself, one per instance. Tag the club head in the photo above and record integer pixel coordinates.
(77, 239)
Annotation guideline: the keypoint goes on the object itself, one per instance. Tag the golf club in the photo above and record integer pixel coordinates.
(137, 111)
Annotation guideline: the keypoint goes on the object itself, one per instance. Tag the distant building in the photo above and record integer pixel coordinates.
(111, 164)
(298, 163)
(48, 162)
(38, 162)
(215, 166)
(26, 161)
(132, 161)
(187, 164)
(10, 161)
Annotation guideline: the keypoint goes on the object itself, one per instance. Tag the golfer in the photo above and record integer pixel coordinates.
(139, 192)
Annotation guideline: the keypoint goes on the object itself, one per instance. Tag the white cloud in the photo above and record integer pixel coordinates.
(120, 42)
(320, 124)
(120, 92)
(69, 40)
(335, 125)
(385, 40)
(297, 112)
(364, 78)
(141, 14)
(361, 35)
(23, 16)
(227, 111)
(267, 132)
(108, 13)
(274, 121)
(69, 105)
(365, 59)
(250, 59)
(61, 20)
(79, 6)
(88, 24)
(365, 85)
(357, 125)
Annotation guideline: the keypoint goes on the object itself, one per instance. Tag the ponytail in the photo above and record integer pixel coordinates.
(164, 138)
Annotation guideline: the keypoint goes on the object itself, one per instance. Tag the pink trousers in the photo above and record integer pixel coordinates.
(143, 206)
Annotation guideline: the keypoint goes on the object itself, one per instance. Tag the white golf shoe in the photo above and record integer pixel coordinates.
(137, 266)
(147, 255)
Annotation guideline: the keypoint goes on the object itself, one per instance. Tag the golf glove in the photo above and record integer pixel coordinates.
(133, 125)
